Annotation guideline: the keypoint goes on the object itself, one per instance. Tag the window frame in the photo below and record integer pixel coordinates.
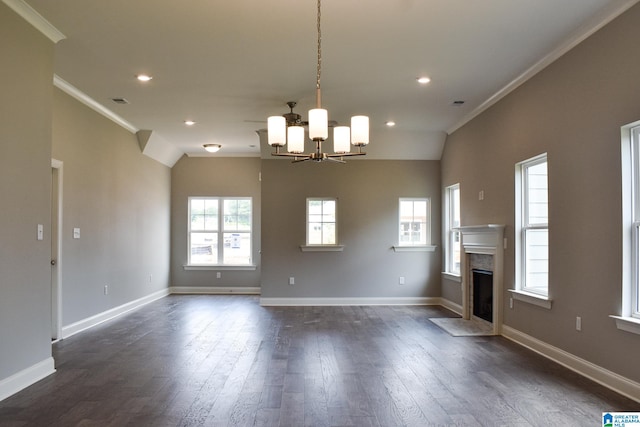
(220, 231)
(524, 227)
(632, 224)
(427, 228)
(451, 229)
(335, 222)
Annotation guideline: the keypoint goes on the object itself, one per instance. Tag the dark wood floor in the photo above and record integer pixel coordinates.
(224, 360)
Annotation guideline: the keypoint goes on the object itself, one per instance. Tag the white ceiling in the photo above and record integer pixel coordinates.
(229, 65)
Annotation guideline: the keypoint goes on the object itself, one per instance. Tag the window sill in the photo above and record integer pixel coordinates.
(321, 248)
(426, 248)
(531, 298)
(452, 277)
(220, 267)
(629, 324)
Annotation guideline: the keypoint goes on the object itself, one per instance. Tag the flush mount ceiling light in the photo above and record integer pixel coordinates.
(189, 122)
(281, 133)
(390, 123)
(144, 77)
(423, 80)
(212, 148)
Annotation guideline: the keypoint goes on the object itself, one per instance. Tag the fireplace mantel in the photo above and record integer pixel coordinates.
(475, 238)
(487, 239)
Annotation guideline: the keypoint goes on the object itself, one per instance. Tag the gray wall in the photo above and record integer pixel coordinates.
(25, 184)
(120, 200)
(573, 110)
(207, 176)
(368, 193)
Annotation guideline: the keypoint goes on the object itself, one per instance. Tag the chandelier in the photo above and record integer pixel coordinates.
(283, 132)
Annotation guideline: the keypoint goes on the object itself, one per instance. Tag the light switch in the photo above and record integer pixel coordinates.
(76, 233)
(40, 232)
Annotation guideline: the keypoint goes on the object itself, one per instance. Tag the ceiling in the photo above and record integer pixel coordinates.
(228, 65)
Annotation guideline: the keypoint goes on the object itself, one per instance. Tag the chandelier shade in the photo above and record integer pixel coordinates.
(287, 129)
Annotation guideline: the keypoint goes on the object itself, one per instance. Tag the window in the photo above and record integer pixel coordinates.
(452, 220)
(415, 227)
(631, 222)
(219, 231)
(629, 317)
(532, 225)
(321, 221)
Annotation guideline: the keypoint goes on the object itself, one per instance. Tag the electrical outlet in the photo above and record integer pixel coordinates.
(510, 302)
(106, 289)
(401, 280)
(150, 277)
(578, 323)
(292, 280)
(481, 195)
(218, 275)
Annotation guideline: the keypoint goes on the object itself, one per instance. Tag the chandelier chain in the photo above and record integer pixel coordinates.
(319, 67)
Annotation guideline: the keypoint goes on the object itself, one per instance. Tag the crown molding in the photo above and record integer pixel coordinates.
(30, 15)
(76, 93)
(578, 37)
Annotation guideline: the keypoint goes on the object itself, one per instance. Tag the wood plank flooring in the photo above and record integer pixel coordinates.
(226, 361)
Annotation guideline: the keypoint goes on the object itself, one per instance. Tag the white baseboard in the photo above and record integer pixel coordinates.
(214, 290)
(609, 379)
(26, 377)
(349, 301)
(450, 305)
(92, 321)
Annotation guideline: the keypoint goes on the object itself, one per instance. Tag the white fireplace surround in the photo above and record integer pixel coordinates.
(487, 240)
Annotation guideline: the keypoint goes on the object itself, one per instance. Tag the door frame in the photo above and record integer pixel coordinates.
(56, 253)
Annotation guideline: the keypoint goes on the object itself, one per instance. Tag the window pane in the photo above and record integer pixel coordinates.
(537, 260)
(537, 194)
(455, 252)
(230, 214)
(237, 248)
(315, 207)
(314, 233)
(329, 234)
(204, 248)
(406, 210)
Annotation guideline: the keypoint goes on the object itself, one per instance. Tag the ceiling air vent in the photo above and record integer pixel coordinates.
(120, 100)
(457, 103)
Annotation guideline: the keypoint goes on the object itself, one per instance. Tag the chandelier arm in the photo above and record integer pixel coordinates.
(362, 153)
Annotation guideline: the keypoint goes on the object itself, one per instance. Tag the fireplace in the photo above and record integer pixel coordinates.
(483, 248)
(482, 289)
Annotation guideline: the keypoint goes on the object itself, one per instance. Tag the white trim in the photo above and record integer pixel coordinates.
(30, 15)
(350, 301)
(602, 376)
(578, 37)
(220, 267)
(628, 324)
(26, 377)
(57, 286)
(76, 93)
(214, 290)
(424, 248)
(92, 321)
(531, 298)
(321, 248)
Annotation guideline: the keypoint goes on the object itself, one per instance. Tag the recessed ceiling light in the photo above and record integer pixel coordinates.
(390, 123)
(143, 77)
(423, 80)
(189, 122)
(212, 148)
